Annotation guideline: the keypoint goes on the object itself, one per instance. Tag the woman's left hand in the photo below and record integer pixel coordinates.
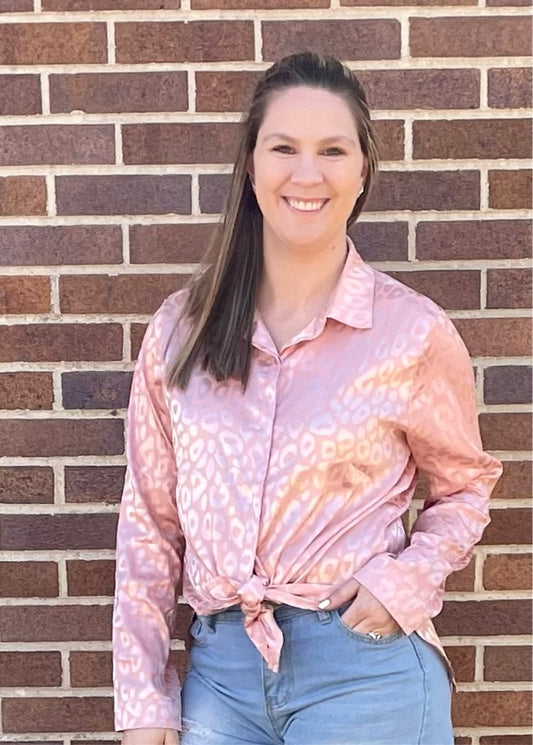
(365, 614)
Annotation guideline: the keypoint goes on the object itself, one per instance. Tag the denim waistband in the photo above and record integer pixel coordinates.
(281, 612)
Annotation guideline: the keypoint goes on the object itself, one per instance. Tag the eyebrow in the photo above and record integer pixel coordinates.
(325, 141)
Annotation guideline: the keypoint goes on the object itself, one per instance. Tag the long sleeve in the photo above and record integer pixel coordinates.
(443, 435)
(149, 555)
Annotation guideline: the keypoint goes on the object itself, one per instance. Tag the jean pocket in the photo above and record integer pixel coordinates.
(385, 639)
(198, 632)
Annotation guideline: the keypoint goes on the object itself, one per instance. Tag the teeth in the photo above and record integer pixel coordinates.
(305, 206)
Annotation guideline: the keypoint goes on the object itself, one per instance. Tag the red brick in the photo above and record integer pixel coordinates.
(508, 384)
(509, 525)
(8, 6)
(346, 38)
(510, 88)
(496, 337)
(463, 661)
(498, 36)
(60, 245)
(136, 334)
(91, 669)
(507, 572)
(26, 391)
(58, 532)
(57, 144)
(258, 4)
(509, 288)
(484, 617)
(123, 195)
(44, 623)
(126, 293)
(506, 431)
(21, 94)
(52, 43)
(74, 5)
(22, 195)
(30, 669)
(120, 91)
(425, 190)
(42, 438)
(381, 241)
(180, 143)
(491, 709)
(91, 577)
(24, 295)
(213, 192)
(196, 41)
(94, 484)
(462, 741)
(96, 390)
(421, 89)
(491, 3)
(391, 137)
(451, 290)
(46, 714)
(67, 342)
(472, 138)
(515, 482)
(26, 485)
(462, 581)
(183, 622)
(507, 663)
(168, 244)
(225, 90)
(506, 740)
(473, 239)
(510, 190)
(28, 579)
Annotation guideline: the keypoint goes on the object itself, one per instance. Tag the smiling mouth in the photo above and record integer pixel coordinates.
(306, 205)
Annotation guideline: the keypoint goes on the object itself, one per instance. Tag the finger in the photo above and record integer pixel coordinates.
(340, 595)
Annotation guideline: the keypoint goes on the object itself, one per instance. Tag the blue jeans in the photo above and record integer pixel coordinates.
(335, 686)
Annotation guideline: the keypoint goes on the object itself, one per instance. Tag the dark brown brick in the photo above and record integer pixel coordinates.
(96, 390)
(180, 143)
(462, 741)
(484, 617)
(451, 290)
(52, 43)
(58, 532)
(506, 739)
(491, 709)
(225, 90)
(56, 623)
(26, 390)
(346, 38)
(94, 484)
(120, 91)
(26, 485)
(421, 89)
(91, 669)
(509, 288)
(24, 295)
(136, 334)
(21, 94)
(57, 144)
(463, 661)
(196, 41)
(473, 239)
(492, 3)
(507, 572)
(19, 6)
(496, 337)
(258, 4)
(497, 36)
(110, 4)
(60, 245)
(396, 3)
(168, 244)
(391, 138)
(472, 138)
(126, 293)
(91, 577)
(508, 384)
(22, 195)
(509, 525)
(47, 714)
(30, 669)
(425, 190)
(515, 482)
(507, 663)
(28, 579)
(123, 195)
(506, 431)
(67, 342)
(213, 192)
(462, 581)
(510, 88)
(42, 438)
(510, 190)
(381, 241)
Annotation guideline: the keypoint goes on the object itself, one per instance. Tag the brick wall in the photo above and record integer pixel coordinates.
(117, 123)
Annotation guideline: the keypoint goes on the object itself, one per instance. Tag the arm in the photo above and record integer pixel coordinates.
(149, 551)
(443, 434)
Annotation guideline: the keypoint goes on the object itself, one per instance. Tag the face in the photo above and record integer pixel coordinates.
(308, 169)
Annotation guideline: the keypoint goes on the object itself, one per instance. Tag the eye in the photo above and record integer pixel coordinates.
(334, 151)
(285, 149)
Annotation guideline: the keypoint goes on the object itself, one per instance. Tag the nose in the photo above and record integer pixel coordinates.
(307, 171)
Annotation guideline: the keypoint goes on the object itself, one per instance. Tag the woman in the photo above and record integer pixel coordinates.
(280, 409)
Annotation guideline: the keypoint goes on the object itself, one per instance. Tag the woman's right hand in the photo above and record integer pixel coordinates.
(151, 736)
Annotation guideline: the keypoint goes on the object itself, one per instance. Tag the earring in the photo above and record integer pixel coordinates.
(361, 190)
(252, 182)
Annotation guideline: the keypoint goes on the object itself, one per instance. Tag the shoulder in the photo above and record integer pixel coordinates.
(167, 322)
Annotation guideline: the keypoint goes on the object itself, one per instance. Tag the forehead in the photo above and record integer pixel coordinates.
(307, 110)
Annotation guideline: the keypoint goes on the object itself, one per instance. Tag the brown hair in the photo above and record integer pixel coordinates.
(221, 298)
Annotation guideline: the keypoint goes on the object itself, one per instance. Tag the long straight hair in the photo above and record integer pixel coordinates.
(221, 298)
